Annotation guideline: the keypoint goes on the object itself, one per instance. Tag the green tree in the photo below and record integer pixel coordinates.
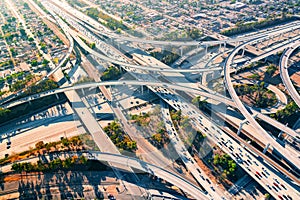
(40, 145)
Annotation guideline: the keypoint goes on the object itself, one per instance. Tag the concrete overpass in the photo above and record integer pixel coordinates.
(287, 154)
(283, 66)
(174, 179)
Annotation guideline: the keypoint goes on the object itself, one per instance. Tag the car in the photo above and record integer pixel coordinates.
(249, 162)
(208, 181)
(257, 176)
(276, 185)
(283, 186)
(280, 197)
(212, 188)
(285, 197)
(202, 177)
(276, 180)
(264, 174)
(258, 173)
(274, 188)
(198, 170)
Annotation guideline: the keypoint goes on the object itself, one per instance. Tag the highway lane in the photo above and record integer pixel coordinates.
(146, 68)
(128, 162)
(99, 28)
(285, 129)
(150, 153)
(174, 179)
(195, 91)
(187, 159)
(284, 74)
(283, 45)
(243, 157)
(294, 161)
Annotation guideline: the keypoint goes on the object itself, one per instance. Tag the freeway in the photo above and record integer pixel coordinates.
(125, 82)
(283, 46)
(196, 91)
(285, 129)
(71, 47)
(256, 168)
(268, 120)
(283, 66)
(286, 153)
(147, 68)
(174, 179)
(100, 29)
(186, 157)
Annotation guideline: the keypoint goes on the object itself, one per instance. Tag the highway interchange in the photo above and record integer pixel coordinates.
(260, 171)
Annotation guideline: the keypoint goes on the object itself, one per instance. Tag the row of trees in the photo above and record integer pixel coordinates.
(41, 87)
(112, 73)
(262, 97)
(271, 69)
(291, 111)
(242, 28)
(65, 142)
(20, 84)
(110, 22)
(119, 138)
(185, 35)
(225, 164)
(50, 166)
(160, 137)
(141, 119)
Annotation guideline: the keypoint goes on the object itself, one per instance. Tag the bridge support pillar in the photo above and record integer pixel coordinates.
(268, 42)
(243, 52)
(181, 51)
(142, 89)
(280, 134)
(57, 96)
(220, 47)
(206, 49)
(240, 128)
(266, 148)
(82, 90)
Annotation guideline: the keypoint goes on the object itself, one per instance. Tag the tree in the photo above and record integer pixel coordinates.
(34, 63)
(82, 160)
(39, 145)
(92, 45)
